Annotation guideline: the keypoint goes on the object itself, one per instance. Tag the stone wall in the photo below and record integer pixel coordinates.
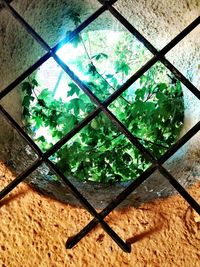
(160, 21)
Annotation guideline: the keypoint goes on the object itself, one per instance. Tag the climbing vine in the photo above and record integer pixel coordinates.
(152, 110)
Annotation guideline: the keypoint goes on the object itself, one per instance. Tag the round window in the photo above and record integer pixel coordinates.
(151, 108)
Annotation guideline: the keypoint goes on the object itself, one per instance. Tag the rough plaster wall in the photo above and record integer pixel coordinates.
(159, 21)
(34, 229)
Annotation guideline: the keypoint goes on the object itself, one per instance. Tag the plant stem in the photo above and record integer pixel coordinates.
(58, 82)
(91, 62)
(138, 138)
(35, 94)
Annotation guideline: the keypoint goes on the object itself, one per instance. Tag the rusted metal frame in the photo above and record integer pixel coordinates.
(111, 115)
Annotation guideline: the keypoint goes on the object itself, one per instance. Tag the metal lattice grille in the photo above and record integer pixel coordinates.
(157, 164)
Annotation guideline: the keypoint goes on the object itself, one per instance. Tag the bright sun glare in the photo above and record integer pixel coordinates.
(51, 76)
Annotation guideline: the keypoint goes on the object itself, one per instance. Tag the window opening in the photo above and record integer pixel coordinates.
(103, 59)
(156, 164)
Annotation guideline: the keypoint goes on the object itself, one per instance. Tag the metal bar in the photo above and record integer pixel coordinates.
(95, 99)
(109, 114)
(20, 178)
(163, 51)
(53, 50)
(23, 134)
(71, 242)
(103, 2)
(103, 106)
(124, 194)
(180, 189)
(125, 247)
(81, 27)
(182, 141)
(24, 75)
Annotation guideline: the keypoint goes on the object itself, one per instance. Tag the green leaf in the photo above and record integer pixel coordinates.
(26, 112)
(162, 86)
(76, 104)
(74, 89)
(121, 66)
(27, 88)
(149, 106)
(92, 69)
(34, 82)
(44, 94)
(41, 139)
(99, 56)
(140, 93)
(69, 123)
(26, 101)
(76, 18)
(38, 122)
(109, 76)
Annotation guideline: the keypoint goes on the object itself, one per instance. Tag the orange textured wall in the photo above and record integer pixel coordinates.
(34, 230)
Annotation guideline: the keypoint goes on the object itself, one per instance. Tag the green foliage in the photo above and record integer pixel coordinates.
(152, 110)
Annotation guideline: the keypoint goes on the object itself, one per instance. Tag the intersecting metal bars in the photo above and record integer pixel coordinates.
(106, 227)
(97, 101)
(54, 49)
(122, 196)
(103, 107)
(163, 51)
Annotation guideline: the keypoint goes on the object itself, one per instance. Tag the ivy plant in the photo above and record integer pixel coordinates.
(151, 109)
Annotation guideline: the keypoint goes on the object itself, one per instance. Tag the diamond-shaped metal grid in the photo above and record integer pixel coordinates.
(101, 107)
